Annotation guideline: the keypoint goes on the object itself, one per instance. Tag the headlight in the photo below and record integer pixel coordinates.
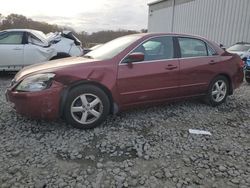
(36, 82)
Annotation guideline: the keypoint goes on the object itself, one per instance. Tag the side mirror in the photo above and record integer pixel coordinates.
(223, 47)
(134, 57)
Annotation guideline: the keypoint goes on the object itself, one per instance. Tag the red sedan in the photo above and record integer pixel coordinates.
(126, 72)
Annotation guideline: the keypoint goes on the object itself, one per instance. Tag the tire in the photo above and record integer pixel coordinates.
(80, 113)
(218, 91)
(247, 80)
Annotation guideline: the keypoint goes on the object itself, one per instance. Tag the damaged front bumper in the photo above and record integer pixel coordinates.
(43, 104)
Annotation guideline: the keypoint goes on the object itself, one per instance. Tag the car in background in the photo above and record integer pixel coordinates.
(20, 47)
(242, 49)
(23, 47)
(130, 71)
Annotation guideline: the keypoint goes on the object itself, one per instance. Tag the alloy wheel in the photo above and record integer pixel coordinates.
(86, 108)
(219, 91)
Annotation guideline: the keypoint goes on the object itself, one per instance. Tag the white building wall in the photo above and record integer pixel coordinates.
(223, 21)
(160, 16)
(161, 20)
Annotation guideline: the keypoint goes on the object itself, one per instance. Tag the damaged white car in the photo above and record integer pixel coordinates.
(65, 43)
(23, 47)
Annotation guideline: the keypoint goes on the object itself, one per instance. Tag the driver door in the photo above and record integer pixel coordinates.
(155, 78)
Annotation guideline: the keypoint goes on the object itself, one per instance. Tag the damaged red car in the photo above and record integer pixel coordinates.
(129, 71)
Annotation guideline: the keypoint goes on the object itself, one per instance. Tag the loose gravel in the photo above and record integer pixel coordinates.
(148, 147)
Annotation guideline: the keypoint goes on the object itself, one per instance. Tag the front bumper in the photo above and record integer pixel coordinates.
(37, 105)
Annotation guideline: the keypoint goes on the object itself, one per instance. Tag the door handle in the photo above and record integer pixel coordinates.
(171, 67)
(17, 49)
(212, 62)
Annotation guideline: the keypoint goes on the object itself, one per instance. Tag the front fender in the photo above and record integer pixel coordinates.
(103, 77)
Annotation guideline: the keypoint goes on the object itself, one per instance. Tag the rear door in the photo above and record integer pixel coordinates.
(11, 48)
(198, 65)
(155, 78)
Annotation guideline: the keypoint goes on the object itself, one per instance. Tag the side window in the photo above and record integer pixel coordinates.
(34, 40)
(192, 47)
(158, 48)
(11, 38)
(211, 51)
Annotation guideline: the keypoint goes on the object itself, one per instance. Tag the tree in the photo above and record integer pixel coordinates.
(1, 19)
(16, 21)
(102, 36)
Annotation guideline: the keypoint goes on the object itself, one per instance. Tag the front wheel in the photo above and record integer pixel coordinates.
(218, 91)
(86, 107)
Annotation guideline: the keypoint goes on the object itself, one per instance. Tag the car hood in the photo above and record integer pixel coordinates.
(55, 64)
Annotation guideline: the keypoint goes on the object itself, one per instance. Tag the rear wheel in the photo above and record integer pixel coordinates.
(86, 107)
(247, 74)
(247, 80)
(218, 91)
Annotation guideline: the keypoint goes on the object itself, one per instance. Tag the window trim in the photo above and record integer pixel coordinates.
(153, 37)
(177, 52)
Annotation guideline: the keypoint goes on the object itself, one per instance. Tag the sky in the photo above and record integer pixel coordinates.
(83, 15)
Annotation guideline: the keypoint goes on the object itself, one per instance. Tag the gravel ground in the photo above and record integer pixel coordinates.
(141, 148)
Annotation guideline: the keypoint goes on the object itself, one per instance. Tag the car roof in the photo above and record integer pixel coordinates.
(27, 30)
(171, 34)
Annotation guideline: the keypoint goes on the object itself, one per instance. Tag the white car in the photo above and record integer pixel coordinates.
(242, 49)
(23, 47)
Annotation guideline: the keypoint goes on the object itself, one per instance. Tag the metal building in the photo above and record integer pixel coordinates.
(223, 21)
